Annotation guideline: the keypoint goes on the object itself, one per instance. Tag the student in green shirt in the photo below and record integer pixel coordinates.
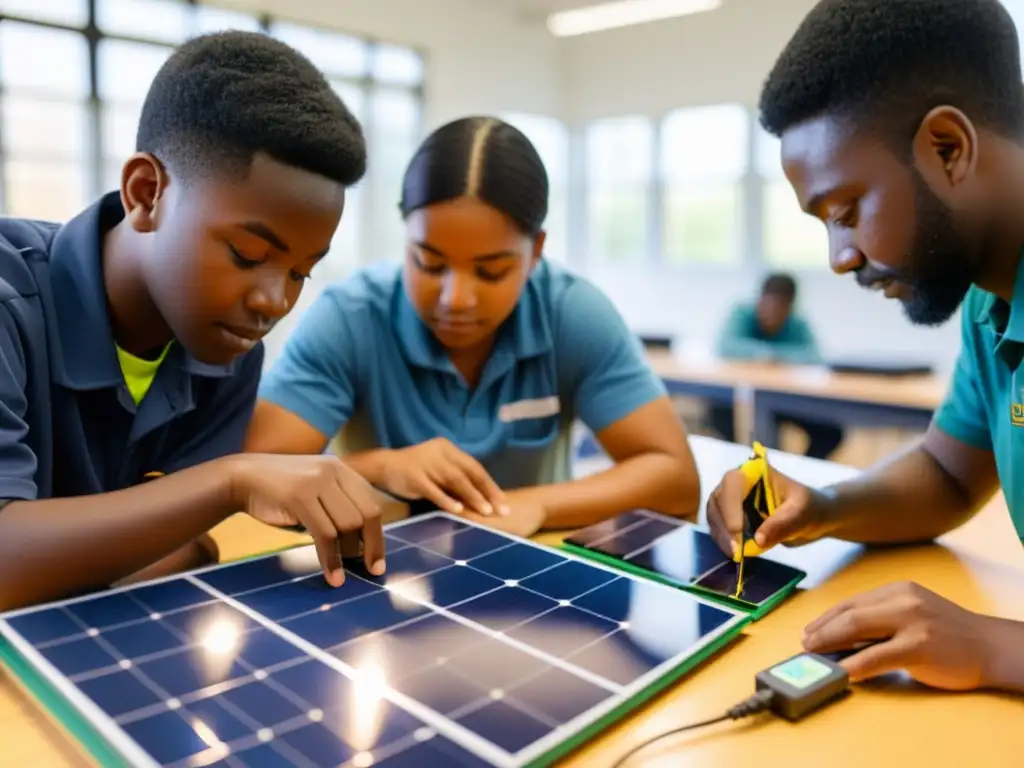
(902, 127)
(770, 330)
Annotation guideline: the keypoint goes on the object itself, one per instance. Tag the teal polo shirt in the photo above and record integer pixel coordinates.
(742, 338)
(361, 365)
(985, 404)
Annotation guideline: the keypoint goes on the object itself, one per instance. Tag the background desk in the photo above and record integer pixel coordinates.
(981, 566)
(905, 402)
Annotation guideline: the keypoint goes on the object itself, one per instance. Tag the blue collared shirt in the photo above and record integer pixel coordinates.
(362, 366)
(68, 424)
(985, 404)
(743, 339)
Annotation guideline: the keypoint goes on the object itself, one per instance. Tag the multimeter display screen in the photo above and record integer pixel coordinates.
(801, 672)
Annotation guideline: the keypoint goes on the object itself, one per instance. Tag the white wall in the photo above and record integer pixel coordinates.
(480, 56)
(716, 57)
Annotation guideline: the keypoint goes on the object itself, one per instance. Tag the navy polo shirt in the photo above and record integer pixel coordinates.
(363, 368)
(68, 424)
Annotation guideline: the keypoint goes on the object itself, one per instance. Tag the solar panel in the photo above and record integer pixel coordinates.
(475, 649)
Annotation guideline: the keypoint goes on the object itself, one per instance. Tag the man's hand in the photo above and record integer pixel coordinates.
(798, 518)
(935, 641)
(318, 492)
(439, 471)
(525, 517)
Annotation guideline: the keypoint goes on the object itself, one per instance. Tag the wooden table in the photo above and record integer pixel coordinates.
(890, 723)
(812, 392)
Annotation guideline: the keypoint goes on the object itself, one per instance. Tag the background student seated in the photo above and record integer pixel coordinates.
(455, 376)
(770, 330)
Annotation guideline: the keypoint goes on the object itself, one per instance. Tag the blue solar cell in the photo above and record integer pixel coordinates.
(494, 664)
(442, 689)
(467, 544)
(262, 648)
(77, 656)
(119, 692)
(170, 596)
(574, 695)
(262, 704)
(167, 737)
(102, 612)
(192, 670)
(264, 572)
(46, 626)
(563, 631)
(317, 744)
(427, 528)
(502, 724)
(142, 639)
(211, 682)
(504, 608)
(568, 580)
(292, 599)
(455, 584)
(516, 562)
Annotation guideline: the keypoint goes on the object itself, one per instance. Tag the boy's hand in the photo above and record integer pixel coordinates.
(913, 629)
(525, 515)
(798, 517)
(438, 471)
(318, 492)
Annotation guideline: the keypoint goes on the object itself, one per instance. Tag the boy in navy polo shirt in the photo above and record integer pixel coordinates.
(130, 337)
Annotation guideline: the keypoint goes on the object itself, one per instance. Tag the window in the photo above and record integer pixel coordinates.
(551, 139)
(703, 161)
(618, 152)
(393, 133)
(61, 144)
(44, 120)
(792, 239)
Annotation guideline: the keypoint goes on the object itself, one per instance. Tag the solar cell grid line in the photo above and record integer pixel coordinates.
(654, 540)
(476, 743)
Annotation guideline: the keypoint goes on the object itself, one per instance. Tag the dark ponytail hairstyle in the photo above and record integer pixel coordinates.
(480, 157)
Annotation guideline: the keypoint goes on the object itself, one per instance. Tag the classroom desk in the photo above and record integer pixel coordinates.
(981, 566)
(812, 392)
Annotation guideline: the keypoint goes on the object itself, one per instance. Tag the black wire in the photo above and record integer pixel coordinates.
(758, 702)
(668, 734)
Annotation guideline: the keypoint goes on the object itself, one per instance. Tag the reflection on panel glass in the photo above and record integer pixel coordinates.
(74, 13)
(47, 61)
(126, 69)
(165, 20)
(332, 52)
(45, 129)
(54, 191)
(397, 65)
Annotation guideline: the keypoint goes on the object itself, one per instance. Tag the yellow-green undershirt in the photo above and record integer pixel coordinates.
(138, 373)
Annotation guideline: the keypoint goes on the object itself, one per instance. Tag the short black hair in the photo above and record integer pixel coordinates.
(888, 62)
(222, 98)
(781, 285)
(480, 157)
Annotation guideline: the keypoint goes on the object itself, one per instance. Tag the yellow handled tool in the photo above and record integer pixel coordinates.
(758, 506)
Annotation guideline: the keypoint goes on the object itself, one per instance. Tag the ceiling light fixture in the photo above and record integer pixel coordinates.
(623, 13)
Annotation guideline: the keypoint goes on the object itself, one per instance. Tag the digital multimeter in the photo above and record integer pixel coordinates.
(802, 683)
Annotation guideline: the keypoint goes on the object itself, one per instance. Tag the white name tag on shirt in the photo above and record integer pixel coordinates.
(530, 409)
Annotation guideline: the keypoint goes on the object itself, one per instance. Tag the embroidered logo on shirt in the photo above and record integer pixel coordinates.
(151, 476)
(1017, 414)
(530, 409)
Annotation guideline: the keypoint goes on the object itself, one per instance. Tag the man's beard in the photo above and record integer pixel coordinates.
(940, 266)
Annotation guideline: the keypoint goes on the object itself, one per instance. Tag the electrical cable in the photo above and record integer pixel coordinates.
(758, 702)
